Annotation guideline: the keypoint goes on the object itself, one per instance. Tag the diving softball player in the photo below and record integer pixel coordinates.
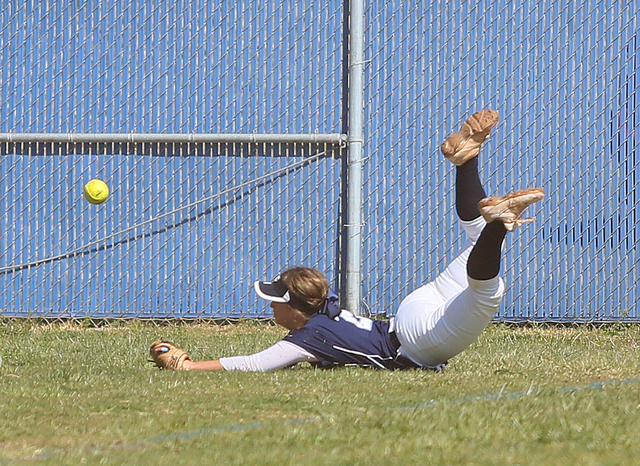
(433, 324)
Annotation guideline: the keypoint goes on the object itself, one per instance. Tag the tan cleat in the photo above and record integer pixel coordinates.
(508, 208)
(465, 144)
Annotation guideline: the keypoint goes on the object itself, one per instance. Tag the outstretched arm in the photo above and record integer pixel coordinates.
(282, 354)
(213, 365)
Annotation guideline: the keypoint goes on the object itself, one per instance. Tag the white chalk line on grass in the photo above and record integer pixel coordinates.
(161, 438)
(531, 391)
(197, 433)
(47, 453)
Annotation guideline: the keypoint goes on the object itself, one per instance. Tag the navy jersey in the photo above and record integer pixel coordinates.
(348, 340)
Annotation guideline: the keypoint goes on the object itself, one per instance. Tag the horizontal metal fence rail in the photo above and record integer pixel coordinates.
(139, 138)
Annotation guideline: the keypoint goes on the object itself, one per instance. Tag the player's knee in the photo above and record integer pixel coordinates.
(487, 293)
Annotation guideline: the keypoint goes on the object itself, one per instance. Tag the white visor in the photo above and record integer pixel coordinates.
(275, 291)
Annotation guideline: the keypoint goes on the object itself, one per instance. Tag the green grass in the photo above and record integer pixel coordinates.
(520, 395)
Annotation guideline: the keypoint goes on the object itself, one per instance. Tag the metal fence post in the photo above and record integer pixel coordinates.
(353, 226)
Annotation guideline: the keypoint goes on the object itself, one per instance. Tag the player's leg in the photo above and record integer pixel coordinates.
(462, 149)
(469, 190)
(421, 310)
(444, 317)
(451, 327)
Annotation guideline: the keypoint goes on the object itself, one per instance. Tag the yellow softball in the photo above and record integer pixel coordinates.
(96, 191)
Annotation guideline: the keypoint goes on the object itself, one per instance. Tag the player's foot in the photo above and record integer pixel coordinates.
(466, 143)
(508, 208)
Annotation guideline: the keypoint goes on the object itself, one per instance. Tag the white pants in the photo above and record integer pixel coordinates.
(443, 317)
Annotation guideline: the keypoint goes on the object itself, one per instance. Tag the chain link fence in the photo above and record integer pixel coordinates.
(184, 232)
(564, 76)
(189, 227)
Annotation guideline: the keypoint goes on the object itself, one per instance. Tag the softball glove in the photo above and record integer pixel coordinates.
(167, 356)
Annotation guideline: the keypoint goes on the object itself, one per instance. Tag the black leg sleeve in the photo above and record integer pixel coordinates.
(484, 259)
(469, 190)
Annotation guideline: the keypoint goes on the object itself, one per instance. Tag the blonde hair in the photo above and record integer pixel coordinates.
(308, 288)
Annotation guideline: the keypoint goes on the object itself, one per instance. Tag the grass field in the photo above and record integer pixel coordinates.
(520, 395)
